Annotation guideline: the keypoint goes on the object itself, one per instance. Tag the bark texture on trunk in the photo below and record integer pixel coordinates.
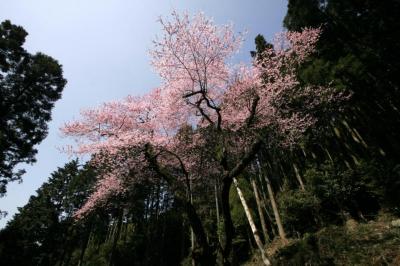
(116, 237)
(298, 176)
(85, 245)
(204, 254)
(216, 186)
(229, 228)
(253, 227)
(191, 231)
(259, 209)
(271, 195)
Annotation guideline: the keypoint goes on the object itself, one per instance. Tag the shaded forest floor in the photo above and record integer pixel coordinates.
(372, 243)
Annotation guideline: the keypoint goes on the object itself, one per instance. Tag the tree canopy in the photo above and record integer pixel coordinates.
(201, 90)
(292, 158)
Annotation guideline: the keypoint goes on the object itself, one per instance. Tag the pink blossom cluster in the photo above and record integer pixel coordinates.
(191, 58)
(271, 79)
(199, 89)
(108, 185)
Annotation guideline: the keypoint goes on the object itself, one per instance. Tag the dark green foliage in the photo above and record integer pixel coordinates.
(304, 252)
(29, 238)
(351, 171)
(358, 52)
(152, 246)
(37, 235)
(299, 211)
(261, 45)
(303, 13)
(356, 191)
(136, 228)
(29, 87)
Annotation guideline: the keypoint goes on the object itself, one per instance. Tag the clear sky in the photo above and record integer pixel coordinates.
(103, 47)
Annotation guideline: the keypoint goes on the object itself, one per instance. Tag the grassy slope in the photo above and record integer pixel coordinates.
(373, 243)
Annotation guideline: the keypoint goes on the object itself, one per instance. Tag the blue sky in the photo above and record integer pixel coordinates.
(103, 47)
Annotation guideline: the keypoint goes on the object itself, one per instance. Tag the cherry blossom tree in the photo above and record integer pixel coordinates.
(230, 111)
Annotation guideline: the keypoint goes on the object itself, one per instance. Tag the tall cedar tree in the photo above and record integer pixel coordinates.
(43, 230)
(29, 87)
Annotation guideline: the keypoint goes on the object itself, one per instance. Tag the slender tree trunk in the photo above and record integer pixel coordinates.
(264, 200)
(151, 207)
(162, 242)
(66, 244)
(271, 195)
(271, 223)
(110, 232)
(260, 180)
(116, 237)
(259, 208)
(126, 230)
(183, 238)
(84, 247)
(217, 207)
(146, 207)
(328, 154)
(250, 242)
(228, 224)
(158, 201)
(252, 224)
(149, 228)
(298, 176)
(191, 230)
